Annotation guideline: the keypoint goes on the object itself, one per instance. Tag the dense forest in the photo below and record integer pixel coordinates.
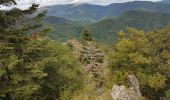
(33, 66)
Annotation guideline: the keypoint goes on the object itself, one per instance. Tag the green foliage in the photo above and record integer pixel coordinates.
(21, 57)
(144, 54)
(86, 36)
(89, 13)
(63, 29)
(157, 81)
(167, 95)
(32, 66)
(64, 73)
(95, 69)
(106, 30)
(22, 67)
(1, 72)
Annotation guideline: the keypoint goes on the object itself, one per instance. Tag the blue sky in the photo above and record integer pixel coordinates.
(26, 3)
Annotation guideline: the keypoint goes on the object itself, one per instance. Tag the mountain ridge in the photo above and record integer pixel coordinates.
(107, 29)
(165, 1)
(89, 13)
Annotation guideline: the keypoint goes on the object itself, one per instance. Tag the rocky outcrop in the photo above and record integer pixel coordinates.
(134, 83)
(131, 93)
(120, 93)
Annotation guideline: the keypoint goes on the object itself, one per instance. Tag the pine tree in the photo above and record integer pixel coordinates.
(86, 36)
(21, 57)
(64, 73)
(93, 59)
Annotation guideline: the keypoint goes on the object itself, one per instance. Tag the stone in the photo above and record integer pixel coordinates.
(134, 83)
(119, 93)
(131, 93)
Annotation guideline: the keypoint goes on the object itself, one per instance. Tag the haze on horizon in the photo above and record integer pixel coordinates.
(26, 3)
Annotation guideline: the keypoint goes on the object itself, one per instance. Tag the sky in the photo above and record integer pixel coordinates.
(26, 3)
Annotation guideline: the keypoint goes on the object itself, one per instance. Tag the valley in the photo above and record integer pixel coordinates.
(84, 50)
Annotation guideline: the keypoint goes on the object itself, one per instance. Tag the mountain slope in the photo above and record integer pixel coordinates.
(165, 1)
(88, 13)
(106, 29)
(58, 21)
(63, 28)
(84, 13)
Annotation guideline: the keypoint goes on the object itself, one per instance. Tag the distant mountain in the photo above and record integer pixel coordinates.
(88, 13)
(59, 21)
(107, 29)
(84, 13)
(63, 28)
(166, 1)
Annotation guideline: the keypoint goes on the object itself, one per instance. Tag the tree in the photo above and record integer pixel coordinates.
(86, 36)
(21, 56)
(145, 55)
(92, 58)
(64, 73)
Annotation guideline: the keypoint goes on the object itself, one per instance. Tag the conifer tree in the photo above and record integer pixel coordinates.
(64, 73)
(86, 36)
(93, 59)
(21, 57)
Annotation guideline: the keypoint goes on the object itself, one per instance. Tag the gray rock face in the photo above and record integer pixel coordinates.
(120, 93)
(135, 85)
(131, 93)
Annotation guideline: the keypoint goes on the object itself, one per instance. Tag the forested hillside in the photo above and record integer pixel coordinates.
(63, 29)
(88, 13)
(106, 30)
(33, 66)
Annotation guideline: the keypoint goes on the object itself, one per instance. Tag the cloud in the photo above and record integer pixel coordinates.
(26, 3)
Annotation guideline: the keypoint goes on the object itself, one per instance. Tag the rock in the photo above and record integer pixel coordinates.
(131, 93)
(134, 83)
(119, 93)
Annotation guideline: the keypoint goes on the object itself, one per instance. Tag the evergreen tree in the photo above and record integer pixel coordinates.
(86, 36)
(21, 56)
(64, 73)
(92, 58)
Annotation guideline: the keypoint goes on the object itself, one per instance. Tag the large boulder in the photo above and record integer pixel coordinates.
(120, 93)
(134, 83)
(131, 93)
